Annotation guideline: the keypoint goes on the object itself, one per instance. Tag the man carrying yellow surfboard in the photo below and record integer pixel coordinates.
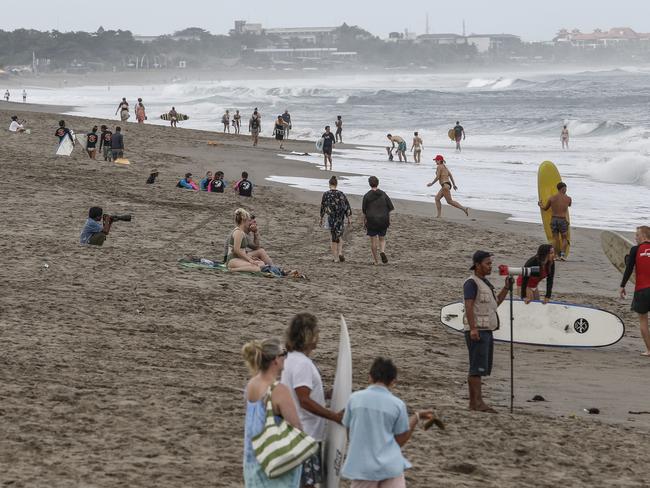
(559, 205)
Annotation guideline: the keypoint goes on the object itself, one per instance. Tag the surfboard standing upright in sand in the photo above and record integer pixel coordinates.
(547, 179)
(336, 440)
(616, 248)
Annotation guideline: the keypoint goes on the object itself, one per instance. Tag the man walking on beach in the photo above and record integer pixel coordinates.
(339, 129)
(106, 143)
(286, 116)
(376, 207)
(7, 96)
(24, 96)
(236, 121)
(559, 205)
(639, 261)
(173, 117)
(459, 133)
(480, 319)
(565, 138)
(328, 141)
(91, 143)
(417, 147)
(401, 146)
(117, 144)
(254, 126)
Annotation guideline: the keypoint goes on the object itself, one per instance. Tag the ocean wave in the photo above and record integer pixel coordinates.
(626, 169)
(499, 83)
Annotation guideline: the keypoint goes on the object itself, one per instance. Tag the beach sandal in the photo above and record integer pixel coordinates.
(384, 258)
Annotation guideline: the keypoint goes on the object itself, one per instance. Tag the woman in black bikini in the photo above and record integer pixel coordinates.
(444, 176)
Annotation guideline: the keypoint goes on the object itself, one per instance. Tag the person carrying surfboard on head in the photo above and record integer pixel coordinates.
(304, 381)
(328, 142)
(639, 261)
(446, 179)
(378, 427)
(480, 320)
(459, 133)
(559, 205)
(123, 109)
(545, 260)
(401, 146)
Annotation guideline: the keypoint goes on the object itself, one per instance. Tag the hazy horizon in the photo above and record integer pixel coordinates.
(530, 21)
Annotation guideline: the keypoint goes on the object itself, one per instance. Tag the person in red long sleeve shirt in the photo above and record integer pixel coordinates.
(639, 261)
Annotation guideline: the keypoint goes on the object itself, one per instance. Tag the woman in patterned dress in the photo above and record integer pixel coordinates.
(337, 208)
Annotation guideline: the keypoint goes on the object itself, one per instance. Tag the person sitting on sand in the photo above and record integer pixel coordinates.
(378, 427)
(265, 360)
(243, 187)
(237, 259)
(401, 146)
(217, 184)
(16, 126)
(252, 243)
(446, 179)
(153, 174)
(335, 206)
(545, 260)
(97, 227)
(203, 184)
(187, 183)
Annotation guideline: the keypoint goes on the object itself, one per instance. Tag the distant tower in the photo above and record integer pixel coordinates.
(427, 24)
(464, 33)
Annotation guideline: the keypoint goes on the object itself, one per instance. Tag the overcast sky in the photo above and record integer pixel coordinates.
(532, 20)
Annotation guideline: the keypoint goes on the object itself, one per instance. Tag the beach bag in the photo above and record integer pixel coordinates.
(281, 447)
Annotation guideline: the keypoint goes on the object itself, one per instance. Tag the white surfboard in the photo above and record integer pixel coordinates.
(65, 147)
(336, 440)
(616, 248)
(82, 141)
(554, 324)
(319, 144)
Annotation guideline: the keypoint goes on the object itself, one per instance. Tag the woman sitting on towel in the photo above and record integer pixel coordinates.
(545, 259)
(238, 259)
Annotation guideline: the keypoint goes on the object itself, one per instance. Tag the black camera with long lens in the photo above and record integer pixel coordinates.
(505, 270)
(120, 218)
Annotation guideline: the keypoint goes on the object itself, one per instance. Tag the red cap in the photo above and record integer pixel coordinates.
(439, 158)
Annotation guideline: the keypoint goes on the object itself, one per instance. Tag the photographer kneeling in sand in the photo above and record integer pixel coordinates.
(98, 226)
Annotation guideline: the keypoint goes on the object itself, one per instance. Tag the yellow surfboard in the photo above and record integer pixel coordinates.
(452, 134)
(547, 179)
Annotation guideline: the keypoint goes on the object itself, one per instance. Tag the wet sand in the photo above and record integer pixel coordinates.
(120, 368)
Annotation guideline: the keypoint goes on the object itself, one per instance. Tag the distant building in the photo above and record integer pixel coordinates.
(243, 27)
(494, 43)
(303, 55)
(599, 38)
(441, 39)
(309, 35)
(145, 39)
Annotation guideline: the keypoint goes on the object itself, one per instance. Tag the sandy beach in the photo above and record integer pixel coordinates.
(120, 368)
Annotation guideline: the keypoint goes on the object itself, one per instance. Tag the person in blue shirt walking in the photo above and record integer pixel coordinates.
(378, 426)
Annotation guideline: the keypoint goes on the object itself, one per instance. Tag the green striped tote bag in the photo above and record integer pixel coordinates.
(281, 447)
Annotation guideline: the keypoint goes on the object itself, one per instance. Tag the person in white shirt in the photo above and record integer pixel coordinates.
(16, 126)
(302, 377)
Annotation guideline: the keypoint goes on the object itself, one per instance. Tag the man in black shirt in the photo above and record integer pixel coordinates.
(62, 132)
(376, 208)
(243, 186)
(217, 185)
(328, 141)
(106, 142)
(117, 144)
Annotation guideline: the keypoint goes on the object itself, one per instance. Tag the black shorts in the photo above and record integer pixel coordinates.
(480, 353)
(376, 232)
(327, 151)
(641, 301)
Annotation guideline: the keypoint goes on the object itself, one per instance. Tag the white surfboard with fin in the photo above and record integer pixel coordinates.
(336, 440)
(65, 147)
(554, 324)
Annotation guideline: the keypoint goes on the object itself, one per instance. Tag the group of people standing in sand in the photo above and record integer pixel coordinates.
(123, 109)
